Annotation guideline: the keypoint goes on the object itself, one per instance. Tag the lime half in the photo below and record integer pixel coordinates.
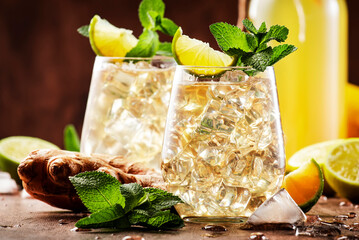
(193, 52)
(16, 148)
(341, 169)
(318, 151)
(108, 40)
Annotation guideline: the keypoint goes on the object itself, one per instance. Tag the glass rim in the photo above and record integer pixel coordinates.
(219, 67)
(156, 57)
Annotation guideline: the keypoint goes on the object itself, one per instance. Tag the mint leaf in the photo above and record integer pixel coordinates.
(165, 49)
(250, 26)
(98, 190)
(167, 26)
(147, 45)
(71, 139)
(276, 32)
(138, 216)
(165, 220)
(84, 30)
(230, 37)
(105, 218)
(133, 192)
(160, 199)
(148, 12)
(158, 220)
(281, 51)
(262, 28)
(260, 60)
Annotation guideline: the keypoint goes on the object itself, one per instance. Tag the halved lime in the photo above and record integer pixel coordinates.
(108, 40)
(318, 151)
(193, 52)
(305, 184)
(341, 169)
(16, 148)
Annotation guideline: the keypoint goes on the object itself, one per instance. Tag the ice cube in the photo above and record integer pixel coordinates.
(7, 184)
(123, 127)
(234, 76)
(146, 143)
(280, 208)
(118, 82)
(145, 85)
(211, 155)
(236, 198)
(214, 121)
(218, 92)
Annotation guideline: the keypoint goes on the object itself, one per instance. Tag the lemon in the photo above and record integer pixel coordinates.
(108, 40)
(305, 184)
(341, 169)
(193, 52)
(16, 148)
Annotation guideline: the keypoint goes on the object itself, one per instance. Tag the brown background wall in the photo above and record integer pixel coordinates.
(45, 66)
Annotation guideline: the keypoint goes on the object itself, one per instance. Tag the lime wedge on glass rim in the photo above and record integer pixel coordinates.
(192, 52)
(341, 169)
(14, 149)
(108, 40)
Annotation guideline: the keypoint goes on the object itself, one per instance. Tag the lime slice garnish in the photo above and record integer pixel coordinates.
(305, 184)
(108, 40)
(341, 169)
(193, 52)
(14, 149)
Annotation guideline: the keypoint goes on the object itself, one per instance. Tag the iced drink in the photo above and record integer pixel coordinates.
(127, 107)
(223, 148)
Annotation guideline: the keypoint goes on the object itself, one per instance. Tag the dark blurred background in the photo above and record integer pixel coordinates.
(46, 66)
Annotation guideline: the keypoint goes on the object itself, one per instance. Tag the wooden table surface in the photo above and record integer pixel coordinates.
(24, 218)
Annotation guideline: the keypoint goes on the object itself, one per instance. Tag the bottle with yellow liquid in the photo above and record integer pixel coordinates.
(311, 82)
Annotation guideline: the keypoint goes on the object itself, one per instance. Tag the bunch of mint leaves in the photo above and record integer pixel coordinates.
(251, 48)
(151, 15)
(116, 205)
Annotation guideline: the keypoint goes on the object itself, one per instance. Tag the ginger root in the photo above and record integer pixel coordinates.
(45, 174)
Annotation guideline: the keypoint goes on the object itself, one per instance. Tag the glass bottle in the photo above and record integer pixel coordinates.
(311, 82)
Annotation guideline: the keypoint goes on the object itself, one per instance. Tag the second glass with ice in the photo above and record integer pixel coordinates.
(127, 107)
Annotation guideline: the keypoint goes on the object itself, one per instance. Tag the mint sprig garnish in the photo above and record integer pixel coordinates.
(116, 205)
(165, 49)
(251, 48)
(147, 46)
(151, 15)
